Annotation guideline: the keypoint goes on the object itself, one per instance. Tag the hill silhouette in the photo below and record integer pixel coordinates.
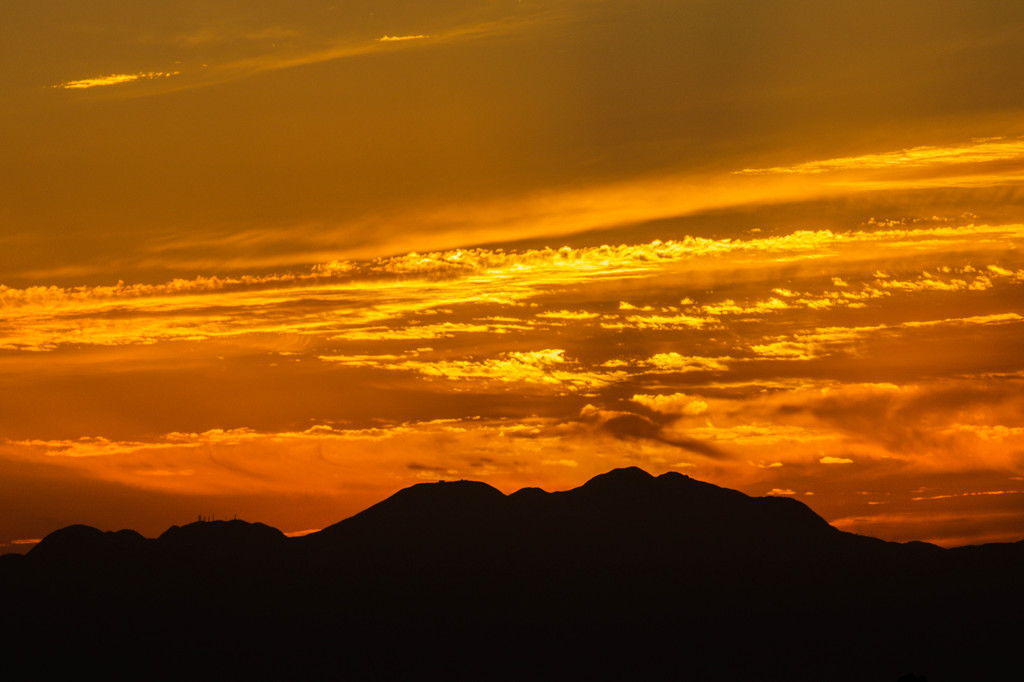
(628, 575)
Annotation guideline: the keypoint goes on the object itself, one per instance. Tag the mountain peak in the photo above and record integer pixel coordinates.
(424, 507)
(78, 542)
(624, 477)
(220, 537)
(443, 494)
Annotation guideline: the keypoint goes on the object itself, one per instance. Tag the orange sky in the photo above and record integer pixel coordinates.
(280, 261)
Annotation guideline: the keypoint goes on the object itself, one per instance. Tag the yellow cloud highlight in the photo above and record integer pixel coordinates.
(757, 434)
(568, 315)
(677, 403)
(976, 151)
(546, 367)
(995, 432)
(542, 368)
(564, 212)
(547, 214)
(835, 460)
(730, 307)
(674, 362)
(113, 79)
(928, 282)
(826, 340)
(391, 39)
(661, 322)
(451, 295)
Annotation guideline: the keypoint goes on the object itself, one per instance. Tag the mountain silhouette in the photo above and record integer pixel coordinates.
(80, 543)
(629, 575)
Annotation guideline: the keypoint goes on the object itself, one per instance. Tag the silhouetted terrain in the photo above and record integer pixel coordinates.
(629, 576)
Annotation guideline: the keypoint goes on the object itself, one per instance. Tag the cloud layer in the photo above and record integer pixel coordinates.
(282, 261)
(809, 361)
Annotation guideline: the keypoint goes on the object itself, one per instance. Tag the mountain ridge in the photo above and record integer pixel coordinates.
(703, 580)
(448, 501)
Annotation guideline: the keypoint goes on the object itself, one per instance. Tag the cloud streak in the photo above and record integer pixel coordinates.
(392, 39)
(113, 79)
(983, 151)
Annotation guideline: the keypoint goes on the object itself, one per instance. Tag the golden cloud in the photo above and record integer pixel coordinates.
(677, 403)
(113, 79)
(391, 39)
(977, 151)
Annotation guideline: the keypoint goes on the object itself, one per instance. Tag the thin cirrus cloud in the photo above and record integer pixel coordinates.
(601, 206)
(562, 213)
(977, 151)
(392, 39)
(113, 79)
(423, 296)
(226, 54)
(610, 205)
(818, 342)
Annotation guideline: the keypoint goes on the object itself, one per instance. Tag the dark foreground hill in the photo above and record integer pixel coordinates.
(629, 576)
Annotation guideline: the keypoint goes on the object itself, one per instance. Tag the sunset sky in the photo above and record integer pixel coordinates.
(279, 260)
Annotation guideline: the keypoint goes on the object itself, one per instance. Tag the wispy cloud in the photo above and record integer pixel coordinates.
(555, 213)
(422, 296)
(113, 79)
(391, 39)
(517, 370)
(823, 341)
(977, 151)
(347, 47)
